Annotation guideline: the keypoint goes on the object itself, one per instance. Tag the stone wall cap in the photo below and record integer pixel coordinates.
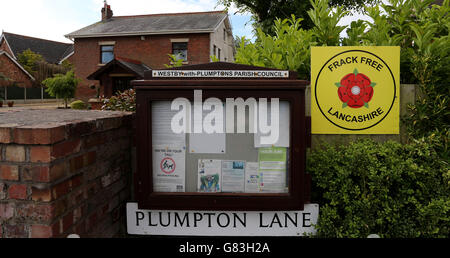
(49, 118)
(31, 126)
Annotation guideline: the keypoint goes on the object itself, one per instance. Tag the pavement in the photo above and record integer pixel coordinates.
(24, 106)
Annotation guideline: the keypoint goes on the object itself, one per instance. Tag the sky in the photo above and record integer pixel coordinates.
(52, 19)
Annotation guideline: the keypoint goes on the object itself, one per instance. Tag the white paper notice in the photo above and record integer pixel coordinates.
(284, 130)
(209, 175)
(162, 133)
(251, 177)
(169, 168)
(207, 143)
(233, 176)
(200, 141)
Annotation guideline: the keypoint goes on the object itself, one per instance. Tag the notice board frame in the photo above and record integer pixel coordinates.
(159, 90)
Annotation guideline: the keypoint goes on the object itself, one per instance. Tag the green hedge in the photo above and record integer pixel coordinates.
(78, 104)
(388, 189)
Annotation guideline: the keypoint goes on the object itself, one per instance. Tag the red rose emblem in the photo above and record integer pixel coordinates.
(355, 90)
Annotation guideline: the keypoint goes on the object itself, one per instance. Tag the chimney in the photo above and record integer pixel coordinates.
(107, 13)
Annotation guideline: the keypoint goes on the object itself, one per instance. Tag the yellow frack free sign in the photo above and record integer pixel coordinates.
(355, 90)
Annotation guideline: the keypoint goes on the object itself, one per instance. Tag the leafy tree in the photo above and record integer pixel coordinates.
(418, 27)
(174, 61)
(288, 49)
(29, 60)
(237, 41)
(265, 12)
(326, 30)
(62, 86)
(214, 58)
(36, 65)
(399, 190)
(421, 29)
(66, 64)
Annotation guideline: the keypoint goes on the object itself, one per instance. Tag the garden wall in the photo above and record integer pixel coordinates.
(64, 172)
(24, 94)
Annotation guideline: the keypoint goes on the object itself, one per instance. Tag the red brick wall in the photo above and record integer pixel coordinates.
(59, 179)
(14, 73)
(153, 51)
(5, 48)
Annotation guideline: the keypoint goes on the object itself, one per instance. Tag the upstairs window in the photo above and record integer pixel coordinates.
(107, 54)
(180, 50)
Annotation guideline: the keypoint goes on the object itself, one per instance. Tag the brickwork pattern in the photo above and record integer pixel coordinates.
(13, 72)
(63, 178)
(150, 50)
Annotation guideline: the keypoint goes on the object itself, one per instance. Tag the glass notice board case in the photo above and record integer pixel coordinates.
(220, 143)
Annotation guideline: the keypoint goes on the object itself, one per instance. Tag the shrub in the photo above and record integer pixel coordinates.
(388, 189)
(419, 27)
(62, 86)
(29, 60)
(78, 104)
(288, 49)
(174, 61)
(123, 101)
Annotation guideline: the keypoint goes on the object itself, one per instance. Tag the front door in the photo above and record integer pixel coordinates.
(120, 84)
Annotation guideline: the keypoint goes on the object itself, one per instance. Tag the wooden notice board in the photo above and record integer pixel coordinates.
(207, 140)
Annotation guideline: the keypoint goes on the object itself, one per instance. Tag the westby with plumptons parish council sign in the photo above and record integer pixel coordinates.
(355, 90)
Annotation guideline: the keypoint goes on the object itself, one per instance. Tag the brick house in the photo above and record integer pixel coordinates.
(12, 45)
(14, 72)
(118, 49)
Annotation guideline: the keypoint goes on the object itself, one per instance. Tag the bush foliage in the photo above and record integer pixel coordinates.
(29, 60)
(62, 86)
(78, 104)
(122, 101)
(419, 27)
(35, 64)
(388, 189)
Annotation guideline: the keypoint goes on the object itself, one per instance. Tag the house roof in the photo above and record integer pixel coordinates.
(52, 51)
(133, 66)
(69, 51)
(200, 22)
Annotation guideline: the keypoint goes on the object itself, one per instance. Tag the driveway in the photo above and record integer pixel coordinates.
(21, 106)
